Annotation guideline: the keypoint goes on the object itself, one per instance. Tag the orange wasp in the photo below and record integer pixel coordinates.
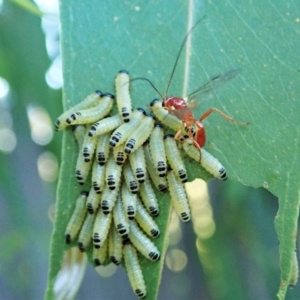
(178, 107)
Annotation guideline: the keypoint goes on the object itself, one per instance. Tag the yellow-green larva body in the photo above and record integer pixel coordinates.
(79, 133)
(120, 135)
(115, 246)
(119, 154)
(134, 270)
(88, 147)
(101, 228)
(93, 201)
(174, 158)
(129, 202)
(179, 198)
(86, 232)
(131, 182)
(208, 162)
(140, 135)
(138, 164)
(159, 182)
(148, 197)
(145, 220)
(100, 254)
(142, 243)
(108, 199)
(120, 219)
(94, 114)
(77, 218)
(157, 149)
(123, 95)
(98, 177)
(112, 173)
(105, 125)
(90, 101)
(102, 150)
(163, 115)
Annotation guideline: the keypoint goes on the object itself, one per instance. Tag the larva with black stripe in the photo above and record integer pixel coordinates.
(140, 135)
(119, 154)
(131, 182)
(94, 114)
(123, 95)
(102, 150)
(112, 173)
(121, 134)
(145, 220)
(88, 102)
(208, 162)
(86, 232)
(138, 164)
(101, 228)
(93, 201)
(82, 169)
(174, 158)
(157, 150)
(105, 125)
(159, 182)
(115, 246)
(148, 197)
(100, 254)
(109, 198)
(142, 243)
(129, 202)
(120, 220)
(89, 146)
(179, 198)
(77, 218)
(134, 270)
(98, 177)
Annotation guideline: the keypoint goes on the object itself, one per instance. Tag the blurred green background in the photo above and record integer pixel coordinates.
(239, 261)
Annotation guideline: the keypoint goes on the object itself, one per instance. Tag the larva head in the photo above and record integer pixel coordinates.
(124, 72)
(169, 136)
(99, 93)
(154, 102)
(108, 95)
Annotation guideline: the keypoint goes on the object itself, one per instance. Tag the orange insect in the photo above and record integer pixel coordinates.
(178, 107)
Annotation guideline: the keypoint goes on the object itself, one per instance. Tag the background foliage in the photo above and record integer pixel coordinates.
(261, 40)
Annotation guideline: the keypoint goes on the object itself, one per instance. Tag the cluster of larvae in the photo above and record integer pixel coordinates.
(127, 156)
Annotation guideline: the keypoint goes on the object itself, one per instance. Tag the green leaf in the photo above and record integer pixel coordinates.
(260, 39)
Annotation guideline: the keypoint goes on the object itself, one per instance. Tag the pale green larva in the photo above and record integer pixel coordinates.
(140, 135)
(123, 95)
(119, 154)
(115, 246)
(179, 198)
(101, 228)
(77, 218)
(142, 243)
(90, 101)
(120, 135)
(131, 182)
(208, 162)
(129, 202)
(102, 150)
(100, 254)
(134, 270)
(94, 114)
(138, 164)
(157, 149)
(93, 201)
(145, 220)
(121, 221)
(174, 158)
(159, 182)
(105, 125)
(98, 177)
(112, 173)
(86, 232)
(109, 198)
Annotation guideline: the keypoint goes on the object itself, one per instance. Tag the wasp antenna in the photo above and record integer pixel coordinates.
(179, 53)
(146, 79)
